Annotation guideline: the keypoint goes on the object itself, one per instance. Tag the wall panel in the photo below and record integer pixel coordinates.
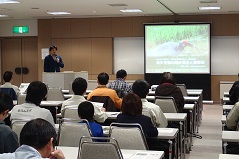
(61, 28)
(230, 25)
(138, 25)
(81, 55)
(122, 27)
(102, 57)
(101, 27)
(80, 28)
(43, 28)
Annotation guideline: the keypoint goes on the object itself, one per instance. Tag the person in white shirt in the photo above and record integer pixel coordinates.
(7, 77)
(79, 87)
(31, 109)
(141, 88)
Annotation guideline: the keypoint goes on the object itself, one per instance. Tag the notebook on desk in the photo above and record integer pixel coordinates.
(23, 87)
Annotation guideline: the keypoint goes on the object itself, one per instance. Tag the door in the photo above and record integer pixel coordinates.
(19, 55)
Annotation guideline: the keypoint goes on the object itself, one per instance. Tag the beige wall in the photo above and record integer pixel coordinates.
(87, 43)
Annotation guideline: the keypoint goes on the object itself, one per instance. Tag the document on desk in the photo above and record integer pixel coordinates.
(145, 155)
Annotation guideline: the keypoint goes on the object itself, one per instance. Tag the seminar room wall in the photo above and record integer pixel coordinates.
(86, 44)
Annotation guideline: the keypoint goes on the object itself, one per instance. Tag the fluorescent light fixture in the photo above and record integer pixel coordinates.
(209, 8)
(58, 13)
(8, 1)
(131, 10)
(3, 15)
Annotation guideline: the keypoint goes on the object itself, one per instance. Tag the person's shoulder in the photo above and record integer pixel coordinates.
(6, 128)
(236, 105)
(17, 107)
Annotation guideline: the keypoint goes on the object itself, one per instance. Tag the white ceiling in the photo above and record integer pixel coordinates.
(101, 8)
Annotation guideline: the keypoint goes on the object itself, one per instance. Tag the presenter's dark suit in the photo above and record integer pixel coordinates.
(50, 65)
(144, 121)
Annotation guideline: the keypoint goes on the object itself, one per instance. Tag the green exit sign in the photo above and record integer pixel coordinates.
(21, 29)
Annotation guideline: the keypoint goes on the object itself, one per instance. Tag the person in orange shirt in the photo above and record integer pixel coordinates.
(102, 90)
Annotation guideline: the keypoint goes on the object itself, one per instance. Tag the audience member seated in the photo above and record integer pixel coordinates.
(103, 91)
(86, 111)
(37, 140)
(79, 87)
(36, 91)
(167, 87)
(233, 118)
(120, 84)
(8, 138)
(232, 124)
(141, 88)
(8, 79)
(132, 113)
(234, 93)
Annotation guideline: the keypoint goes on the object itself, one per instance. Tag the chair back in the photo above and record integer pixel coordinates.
(55, 94)
(21, 98)
(109, 105)
(70, 88)
(17, 126)
(183, 89)
(128, 135)
(71, 131)
(70, 112)
(95, 150)
(10, 92)
(166, 104)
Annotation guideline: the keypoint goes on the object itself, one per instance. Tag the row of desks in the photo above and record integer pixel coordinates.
(72, 153)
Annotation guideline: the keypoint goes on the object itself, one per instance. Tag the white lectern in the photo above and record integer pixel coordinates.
(62, 79)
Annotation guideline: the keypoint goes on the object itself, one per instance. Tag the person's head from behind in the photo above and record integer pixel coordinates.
(36, 91)
(6, 104)
(79, 86)
(7, 76)
(52, 49)
(121, 74)
(141, 88)
(86, 111)
(167, 77)
(103, 78)
(39, 134)
(131, 105)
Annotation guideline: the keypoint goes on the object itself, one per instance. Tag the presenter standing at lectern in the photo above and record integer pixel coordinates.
(53, 62)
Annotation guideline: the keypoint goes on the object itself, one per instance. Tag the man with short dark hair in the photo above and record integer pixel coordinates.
(8, 138)
(37, 140)
(102, 90)
(120, 83)
(53, 62)
(36, 91)
(79, 87)
(7, 77)
(141, 88)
